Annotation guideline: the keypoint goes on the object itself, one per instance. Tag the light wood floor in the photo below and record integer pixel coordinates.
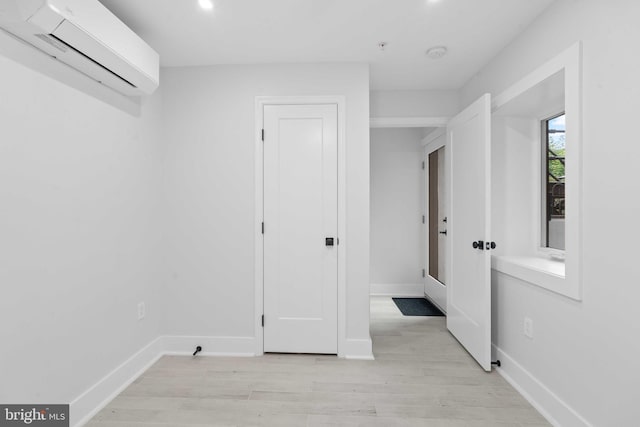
(421, 377)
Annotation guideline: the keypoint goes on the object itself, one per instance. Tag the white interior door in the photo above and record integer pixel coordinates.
(300, 218)
(469, 278)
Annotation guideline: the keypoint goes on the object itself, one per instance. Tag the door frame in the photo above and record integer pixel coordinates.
(432, 142)
(440, 123)
(260, 103)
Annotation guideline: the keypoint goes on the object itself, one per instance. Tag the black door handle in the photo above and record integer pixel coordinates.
(443, 232)
(482, 245)
(478, 245)
(328, 241)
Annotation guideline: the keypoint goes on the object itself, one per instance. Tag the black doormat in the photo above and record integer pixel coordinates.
(417, 307)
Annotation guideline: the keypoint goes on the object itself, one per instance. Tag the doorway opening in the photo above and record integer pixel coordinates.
(437, 215)
(403, 260)
(436, 233)
(464, 291)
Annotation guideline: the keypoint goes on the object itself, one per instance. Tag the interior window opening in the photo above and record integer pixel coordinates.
(554, 146)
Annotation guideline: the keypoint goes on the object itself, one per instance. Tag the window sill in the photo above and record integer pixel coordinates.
(541, 271)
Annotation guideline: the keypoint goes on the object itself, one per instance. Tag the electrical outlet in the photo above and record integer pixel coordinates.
(528, 327)
(141, 310)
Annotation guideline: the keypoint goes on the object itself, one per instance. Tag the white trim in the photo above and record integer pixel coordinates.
(260, 102)
(96, 397)
(432, 142)
(433, 136)
(540, 271)
(569, 61)
(408, 122)
(358, 349)
(89, 403)
(258, 247)
(558, 63)
(436, 292)
(397, 289)
(549, 404)
(211, 346)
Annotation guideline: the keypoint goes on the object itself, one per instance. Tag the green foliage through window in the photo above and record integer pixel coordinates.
(556, 151)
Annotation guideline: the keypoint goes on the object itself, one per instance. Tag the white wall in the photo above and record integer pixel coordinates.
(418, 103)
(209, 129)
(514, 182)
(396, 211)
(585, 353)
(90, 182)
(79, 198)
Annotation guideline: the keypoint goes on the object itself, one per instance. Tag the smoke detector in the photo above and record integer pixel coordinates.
(437, 52)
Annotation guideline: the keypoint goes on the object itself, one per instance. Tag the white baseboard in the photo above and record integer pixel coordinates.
(211, 346)
(415, 290)
(89, 403)
(552, 407)
(358, 349)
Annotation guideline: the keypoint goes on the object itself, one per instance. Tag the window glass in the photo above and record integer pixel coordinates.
(554, 182)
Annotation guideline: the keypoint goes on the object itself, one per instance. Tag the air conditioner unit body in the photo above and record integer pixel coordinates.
(88, 37)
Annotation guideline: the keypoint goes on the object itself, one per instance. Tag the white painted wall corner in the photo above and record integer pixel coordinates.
(94, 399)
(89, 403)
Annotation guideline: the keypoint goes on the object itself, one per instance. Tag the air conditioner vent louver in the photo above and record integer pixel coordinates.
(52, 41)
(92, 60)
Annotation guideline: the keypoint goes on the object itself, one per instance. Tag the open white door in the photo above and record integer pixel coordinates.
(469, 277)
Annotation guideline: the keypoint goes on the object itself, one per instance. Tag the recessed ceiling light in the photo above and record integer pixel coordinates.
(437, 52)
(206, 4)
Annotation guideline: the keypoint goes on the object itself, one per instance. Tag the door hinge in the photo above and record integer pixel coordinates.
(422, 165)
(263, 320)
(262, 135)
(263, 228)
(423, 219)
(424, 273)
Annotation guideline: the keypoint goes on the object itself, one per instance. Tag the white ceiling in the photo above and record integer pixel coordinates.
(291, 31)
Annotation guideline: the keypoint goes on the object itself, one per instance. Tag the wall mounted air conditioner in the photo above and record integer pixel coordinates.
(88, 37)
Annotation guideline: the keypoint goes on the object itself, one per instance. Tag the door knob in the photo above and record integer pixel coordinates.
(328, 241)
(478, 245)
